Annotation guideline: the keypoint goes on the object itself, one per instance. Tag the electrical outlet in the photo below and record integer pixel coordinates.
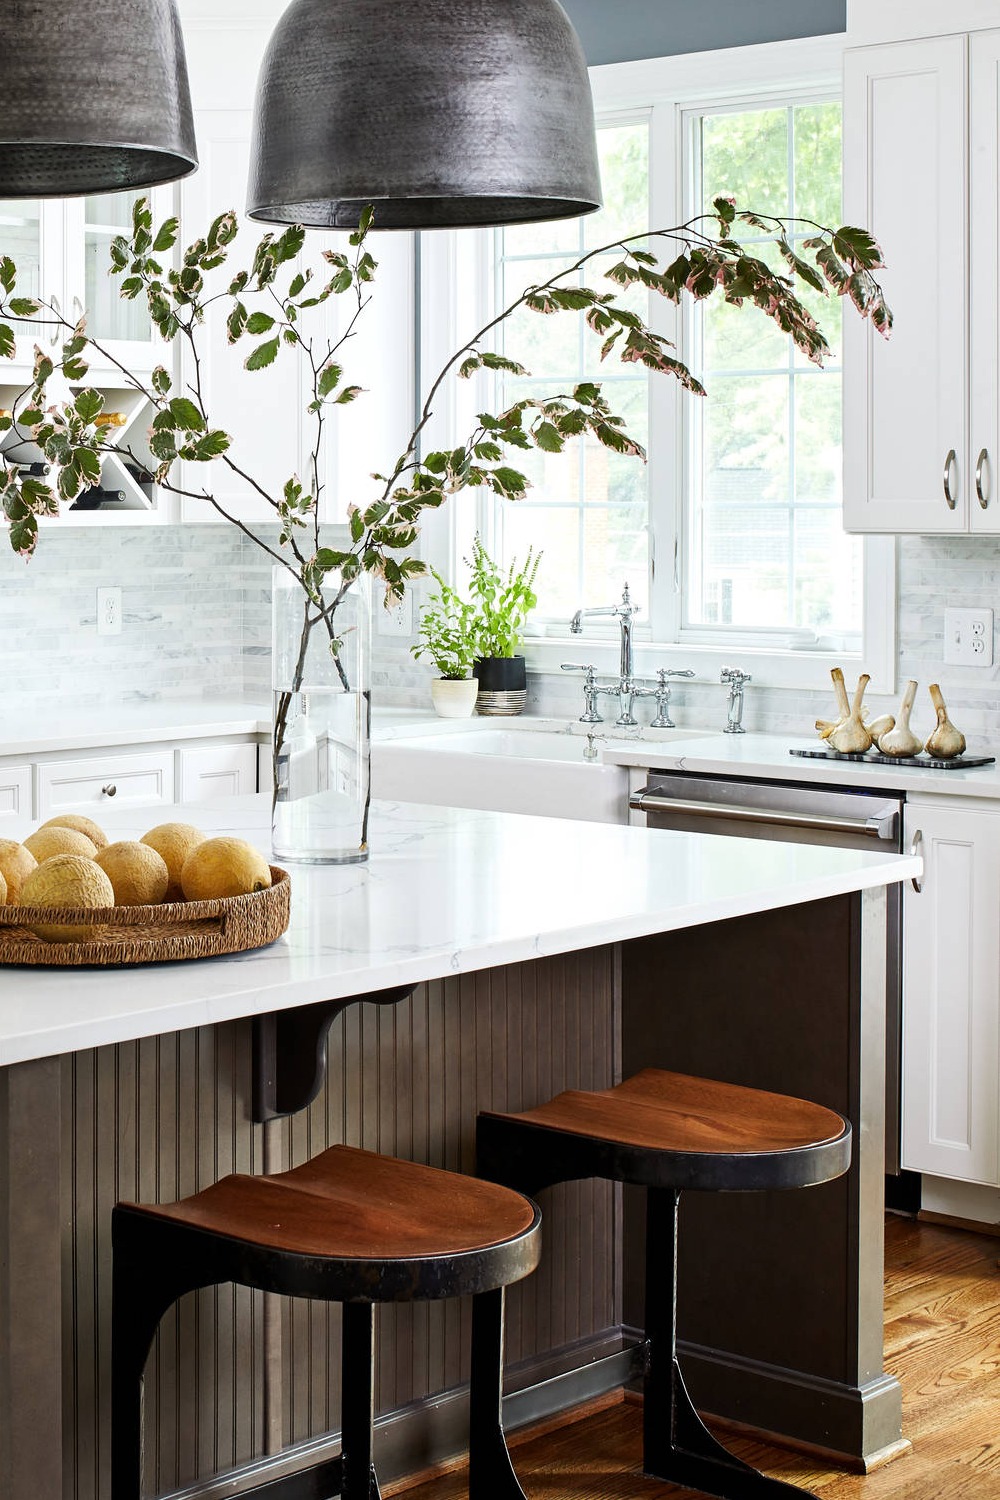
(399, 619)
(968, 637)
(109, 611)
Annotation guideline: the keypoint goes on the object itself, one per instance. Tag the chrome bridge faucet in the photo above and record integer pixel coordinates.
(628, 687)
(737, 681)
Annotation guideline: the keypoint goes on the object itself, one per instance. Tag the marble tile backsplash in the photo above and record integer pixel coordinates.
(196, 623)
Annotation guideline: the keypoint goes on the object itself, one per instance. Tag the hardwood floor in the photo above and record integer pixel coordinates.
(942, 1338)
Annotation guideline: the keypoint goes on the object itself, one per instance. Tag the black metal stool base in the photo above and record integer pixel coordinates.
(677, 1446)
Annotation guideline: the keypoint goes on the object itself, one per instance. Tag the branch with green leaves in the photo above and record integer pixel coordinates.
(271, 300)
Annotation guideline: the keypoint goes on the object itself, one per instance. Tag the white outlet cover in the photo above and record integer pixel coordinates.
(398, 620)
(968, 637)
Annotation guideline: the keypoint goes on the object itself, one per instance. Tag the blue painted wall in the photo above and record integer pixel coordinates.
(622, 30)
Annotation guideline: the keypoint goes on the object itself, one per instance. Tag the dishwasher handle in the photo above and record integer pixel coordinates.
(883, 827)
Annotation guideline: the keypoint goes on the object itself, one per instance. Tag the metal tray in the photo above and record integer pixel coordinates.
(922, 762)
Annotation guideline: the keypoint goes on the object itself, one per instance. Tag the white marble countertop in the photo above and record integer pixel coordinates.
(768, 756)
(64, 725)
(445, 892)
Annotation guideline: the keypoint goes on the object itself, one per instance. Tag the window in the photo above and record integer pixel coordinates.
(588, 508)
(765, 548)
(731, 537)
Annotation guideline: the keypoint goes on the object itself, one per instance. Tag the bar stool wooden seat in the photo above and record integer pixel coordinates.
(671, 1133)
(348, 1226)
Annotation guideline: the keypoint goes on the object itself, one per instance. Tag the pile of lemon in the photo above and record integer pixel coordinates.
(69, 862)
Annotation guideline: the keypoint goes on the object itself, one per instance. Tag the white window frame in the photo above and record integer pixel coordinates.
(455, 282)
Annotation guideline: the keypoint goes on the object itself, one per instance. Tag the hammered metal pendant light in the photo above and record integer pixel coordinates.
(93, 97)
(441, 113)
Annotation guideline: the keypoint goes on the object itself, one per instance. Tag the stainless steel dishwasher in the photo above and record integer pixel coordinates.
(845, 818)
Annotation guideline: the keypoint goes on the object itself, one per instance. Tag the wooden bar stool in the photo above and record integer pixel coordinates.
(348, 1226)
(669, 1133)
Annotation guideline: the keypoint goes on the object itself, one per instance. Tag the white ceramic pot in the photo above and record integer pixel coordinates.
(454, 697)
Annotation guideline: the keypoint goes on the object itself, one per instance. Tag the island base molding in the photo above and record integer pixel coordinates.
(434, 1432)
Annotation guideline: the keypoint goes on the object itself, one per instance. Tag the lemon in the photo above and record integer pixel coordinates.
(16, 864)
(91, 830)
(224, 867)
(173, 842)
(46, 842)
(67, 880)
(137, 873)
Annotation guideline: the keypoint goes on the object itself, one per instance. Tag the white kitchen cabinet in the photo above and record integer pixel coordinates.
(117, 775)
(951, 992)
(216, 771)
(920, 171)
(105, 780)
(15, 792)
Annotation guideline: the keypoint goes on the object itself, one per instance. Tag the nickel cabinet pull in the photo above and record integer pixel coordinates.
(949, 497)
(915, 848)
(110, 790)
(983, 458)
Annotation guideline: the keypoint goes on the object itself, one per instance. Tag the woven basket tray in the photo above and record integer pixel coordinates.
(151, 934)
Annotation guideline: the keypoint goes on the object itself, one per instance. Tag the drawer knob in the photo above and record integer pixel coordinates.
(110, 790)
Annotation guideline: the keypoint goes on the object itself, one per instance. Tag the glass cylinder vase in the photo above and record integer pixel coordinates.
(321, 755)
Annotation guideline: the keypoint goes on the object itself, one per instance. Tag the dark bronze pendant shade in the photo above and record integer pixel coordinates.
(442, 113)
(93, 97)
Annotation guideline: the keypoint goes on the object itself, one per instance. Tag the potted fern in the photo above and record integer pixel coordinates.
(502, 602)
(447, 635)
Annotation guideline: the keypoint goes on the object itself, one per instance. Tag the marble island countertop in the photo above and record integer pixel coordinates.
(445, 891)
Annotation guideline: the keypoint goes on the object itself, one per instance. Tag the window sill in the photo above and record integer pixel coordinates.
(769, 668)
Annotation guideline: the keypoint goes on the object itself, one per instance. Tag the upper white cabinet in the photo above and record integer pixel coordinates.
(951, 992)
(920, 170)
(61, 248)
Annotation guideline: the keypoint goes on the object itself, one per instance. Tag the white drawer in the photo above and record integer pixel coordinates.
(15, 792)
(105, 781)
(216, 771)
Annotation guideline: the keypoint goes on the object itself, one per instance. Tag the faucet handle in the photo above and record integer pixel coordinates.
(575, 666)
(664, 672)
(735, 676)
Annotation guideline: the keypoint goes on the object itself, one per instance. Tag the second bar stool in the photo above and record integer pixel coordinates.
(348, 1226)
(669, 1133)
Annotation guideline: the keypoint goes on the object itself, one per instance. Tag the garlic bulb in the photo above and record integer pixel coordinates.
(945, 740)
(827, 726)
(901, 740)
(881, 725)
(850, 737)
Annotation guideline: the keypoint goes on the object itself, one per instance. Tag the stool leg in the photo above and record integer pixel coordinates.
(357, 1416)
(491, 1473)
(677, 1446)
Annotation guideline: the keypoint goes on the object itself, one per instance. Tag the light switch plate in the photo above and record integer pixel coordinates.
(968, 637)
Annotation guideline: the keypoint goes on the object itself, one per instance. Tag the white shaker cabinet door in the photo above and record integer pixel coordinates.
(951, 992)
(905, 179)
(211, 771)
(984, 280)
(15, 792)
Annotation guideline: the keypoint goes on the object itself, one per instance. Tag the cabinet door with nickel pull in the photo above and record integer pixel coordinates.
(984, 270)
(69, 785)
(951, 991)
(906, 433)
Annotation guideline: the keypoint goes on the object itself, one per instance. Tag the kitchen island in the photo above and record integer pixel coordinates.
(545, 955)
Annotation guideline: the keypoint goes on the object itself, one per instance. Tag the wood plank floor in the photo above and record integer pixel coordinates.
(942, 1338)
